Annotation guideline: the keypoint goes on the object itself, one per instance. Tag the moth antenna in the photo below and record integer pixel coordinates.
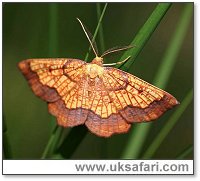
(87, 37)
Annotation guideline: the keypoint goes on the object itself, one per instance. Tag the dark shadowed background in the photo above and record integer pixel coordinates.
(30, 31)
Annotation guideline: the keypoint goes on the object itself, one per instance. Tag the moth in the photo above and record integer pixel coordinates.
(106, 99)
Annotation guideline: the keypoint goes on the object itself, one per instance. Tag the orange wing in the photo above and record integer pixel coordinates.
(57, 81)
(106, 104)
(135, 99)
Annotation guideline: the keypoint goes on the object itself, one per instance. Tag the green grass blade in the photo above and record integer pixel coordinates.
(168, 126)
(77, 134)
(135, 141)
(185, 152)
(101, 36)
(132, 150)
(52, 143)
(140, 131)
(144, 34)
(97, 29)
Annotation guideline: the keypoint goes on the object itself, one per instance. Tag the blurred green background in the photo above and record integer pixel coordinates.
(42, 30)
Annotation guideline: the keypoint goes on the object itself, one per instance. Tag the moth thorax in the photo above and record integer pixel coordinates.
(98, 61)
(94, 70)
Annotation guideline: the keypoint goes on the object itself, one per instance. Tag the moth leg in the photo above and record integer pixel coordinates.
(117, 63)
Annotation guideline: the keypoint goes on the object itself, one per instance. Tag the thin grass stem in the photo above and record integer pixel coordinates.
(97, 29)
(168, 126)
(67, 143)
(144, 34)
(52, 143)
(185, 152)
(101, 34)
